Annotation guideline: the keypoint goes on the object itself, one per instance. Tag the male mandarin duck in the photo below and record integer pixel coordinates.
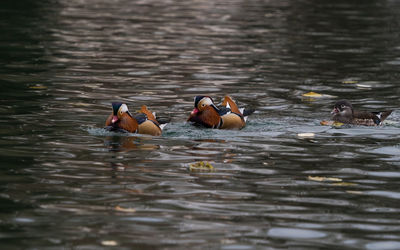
(206, 114)
(343, 112)
(121, 120)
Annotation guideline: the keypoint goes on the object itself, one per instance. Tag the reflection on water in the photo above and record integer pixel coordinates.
(69, 183)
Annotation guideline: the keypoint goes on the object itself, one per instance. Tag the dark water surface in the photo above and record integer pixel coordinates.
(66, 184)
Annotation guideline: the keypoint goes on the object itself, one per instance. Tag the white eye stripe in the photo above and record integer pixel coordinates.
(123, 108)
(207, 101)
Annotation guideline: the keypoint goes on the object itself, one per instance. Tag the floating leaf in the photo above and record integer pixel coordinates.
(38, 87)
(350, 82)
(306, 135)
(312, 94)
(326, 123)
(337, 124)
(331, 123)
(126, 210)
(321, 178)
(201, 166)
(344, 184)
(109, 243)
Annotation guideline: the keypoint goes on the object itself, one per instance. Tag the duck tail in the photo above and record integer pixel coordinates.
(248, 111)
(385, 114)
(381, 116)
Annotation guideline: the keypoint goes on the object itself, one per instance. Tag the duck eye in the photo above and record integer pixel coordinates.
(203, 105)
(342, 106)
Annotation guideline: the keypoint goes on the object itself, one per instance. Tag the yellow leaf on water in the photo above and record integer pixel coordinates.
(337, 124)
(321, 178)
(201, 166)
(350, 82)
(38, 87)
(312, 94)
(126, 210)
(331, 123)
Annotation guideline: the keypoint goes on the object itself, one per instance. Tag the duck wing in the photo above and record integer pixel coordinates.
(248, 111)
(140, 118)
(223, 111)
(376, 117)
(382, 115)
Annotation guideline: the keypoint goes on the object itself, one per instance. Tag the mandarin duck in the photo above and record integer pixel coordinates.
(121, 120)
(206, 114)
(343, 112)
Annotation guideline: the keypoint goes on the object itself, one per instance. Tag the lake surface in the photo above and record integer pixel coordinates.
(68, 184)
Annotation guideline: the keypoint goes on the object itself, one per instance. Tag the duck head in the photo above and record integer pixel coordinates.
(119, 109)
(201, 103)
(342, 109)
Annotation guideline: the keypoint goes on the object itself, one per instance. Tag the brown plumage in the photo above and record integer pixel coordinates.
(121, 120)
(149, 126)
(228, 101)
(343, 112)
(206, 114)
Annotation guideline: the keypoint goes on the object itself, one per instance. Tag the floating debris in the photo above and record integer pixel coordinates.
(331, 123)
(126, 210)
(357, 84)
(326, 123)
(350, 82)
(312, 94)
(321, 178)
(344, 184)
(109, 243)
(38, 86)
(306, 135)
(337, 124)
(354, 192)
(335, 181)
(201, 166)
(364, 86)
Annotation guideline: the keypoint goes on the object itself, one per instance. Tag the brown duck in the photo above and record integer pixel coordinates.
(207, 114)
(343, 112)
(121, 120)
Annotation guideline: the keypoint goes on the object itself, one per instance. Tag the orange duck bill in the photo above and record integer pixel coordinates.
(207, 114)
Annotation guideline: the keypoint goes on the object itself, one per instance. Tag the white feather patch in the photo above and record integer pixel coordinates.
(163, 125)
(123, 108)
